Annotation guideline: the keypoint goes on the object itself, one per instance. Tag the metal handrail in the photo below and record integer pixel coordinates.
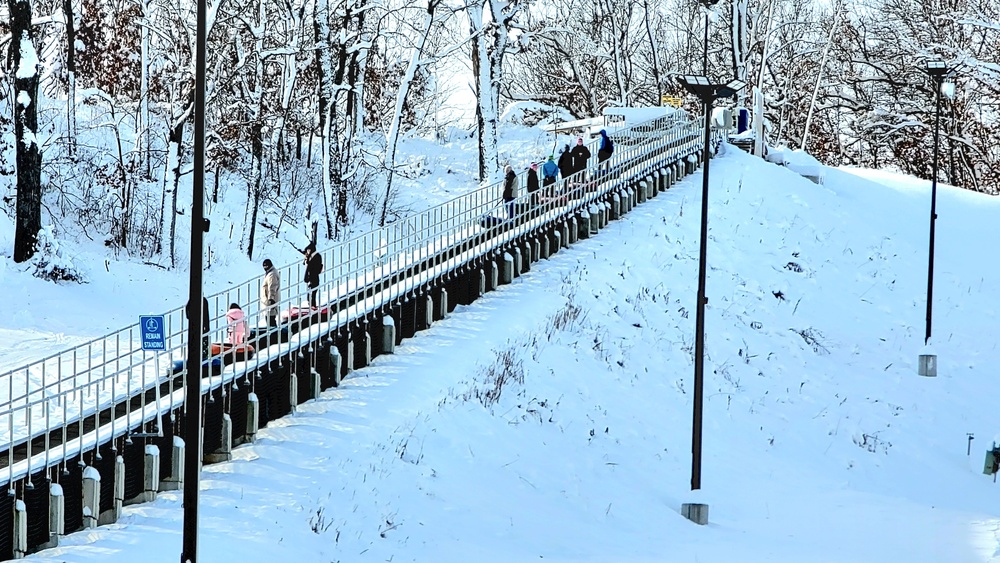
(64, 389)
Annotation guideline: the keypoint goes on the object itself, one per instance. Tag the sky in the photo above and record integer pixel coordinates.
(821, 442)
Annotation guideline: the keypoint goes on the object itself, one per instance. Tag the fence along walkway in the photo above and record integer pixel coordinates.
(100, 395)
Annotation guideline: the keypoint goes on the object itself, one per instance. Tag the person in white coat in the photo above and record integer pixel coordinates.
(270, 293)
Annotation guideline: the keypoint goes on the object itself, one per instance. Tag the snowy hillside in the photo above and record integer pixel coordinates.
(821, 442)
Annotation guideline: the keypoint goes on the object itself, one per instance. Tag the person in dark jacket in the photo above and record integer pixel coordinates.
(581, 155)
(314, 267)
(550, 172)
(566, 163)
(606, 148)
(509, 189)
(533, 182)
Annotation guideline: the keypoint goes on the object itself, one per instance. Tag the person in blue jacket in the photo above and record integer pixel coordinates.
(550, 172)
(606, 148)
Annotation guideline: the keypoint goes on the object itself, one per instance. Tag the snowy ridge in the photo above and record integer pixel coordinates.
(821, 442)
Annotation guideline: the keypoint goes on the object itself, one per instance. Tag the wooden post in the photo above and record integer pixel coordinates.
(368, 348)
(927, 365)
(335, 364)
(507, 268)
(253, 417)
(697, 513)
(20, 529)
(91, 496)
(225, 451)
(57, 514)
(388, 335)
(150, 472)
(176, 480)
(114, 512)
(583, 225)
(315, 384)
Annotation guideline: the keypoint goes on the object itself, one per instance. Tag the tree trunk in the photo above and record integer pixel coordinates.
(488, 45)
(478, 54)
(392, 138)
(341, 128)
(617, 63)
(143, 139)
(654, 50)
(70, 78)
(321, 28)
(255, 107)
(740, 40)
(819, 75)
(170, 215)
(29, 156)
(255, 203)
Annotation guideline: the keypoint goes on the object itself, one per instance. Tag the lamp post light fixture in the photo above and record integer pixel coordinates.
(927, 362)
(708, 93)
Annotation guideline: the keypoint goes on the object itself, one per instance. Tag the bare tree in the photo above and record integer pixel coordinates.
(29, 155)
(392, 137)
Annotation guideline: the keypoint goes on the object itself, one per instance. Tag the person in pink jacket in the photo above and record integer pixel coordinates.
(237, 328)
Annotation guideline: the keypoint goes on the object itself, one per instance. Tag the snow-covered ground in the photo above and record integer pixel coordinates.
(821, 441)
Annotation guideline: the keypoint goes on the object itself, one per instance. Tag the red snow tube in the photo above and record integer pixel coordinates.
(232, 352)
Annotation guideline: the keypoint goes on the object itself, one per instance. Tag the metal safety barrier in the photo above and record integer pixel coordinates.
(87, 405)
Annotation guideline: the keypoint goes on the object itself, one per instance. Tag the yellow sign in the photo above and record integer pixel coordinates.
(671, 100)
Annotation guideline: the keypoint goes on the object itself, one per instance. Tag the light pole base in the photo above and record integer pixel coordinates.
(695, 512)
(927, 365)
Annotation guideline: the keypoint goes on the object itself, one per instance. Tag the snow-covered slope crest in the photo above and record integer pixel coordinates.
(551, 420)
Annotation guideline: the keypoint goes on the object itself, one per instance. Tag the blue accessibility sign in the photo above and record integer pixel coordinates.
(152, 330)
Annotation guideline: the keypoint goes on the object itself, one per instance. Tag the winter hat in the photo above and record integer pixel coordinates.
(234, 306)
(550, 157)
(534, 166)
(267, 264)
(507, 168)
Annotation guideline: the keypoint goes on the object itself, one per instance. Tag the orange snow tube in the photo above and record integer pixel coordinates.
(232, 352)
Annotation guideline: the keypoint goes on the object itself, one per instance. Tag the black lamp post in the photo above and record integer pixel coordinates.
(927, 362)
(708, 93)
(192, 380)
(937, 70)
